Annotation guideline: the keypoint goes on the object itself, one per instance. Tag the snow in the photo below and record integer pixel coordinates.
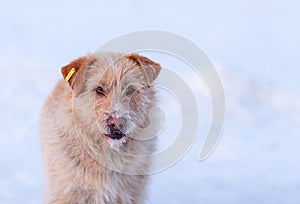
(254, 45)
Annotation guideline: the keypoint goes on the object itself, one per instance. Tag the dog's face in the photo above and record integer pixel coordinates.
(117, 89)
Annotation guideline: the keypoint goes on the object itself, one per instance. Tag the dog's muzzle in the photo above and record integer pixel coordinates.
(115, 126)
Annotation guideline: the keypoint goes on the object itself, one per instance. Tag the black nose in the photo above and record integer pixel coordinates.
(116, 123)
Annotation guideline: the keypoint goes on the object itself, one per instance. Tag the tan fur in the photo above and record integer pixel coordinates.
(73, 122)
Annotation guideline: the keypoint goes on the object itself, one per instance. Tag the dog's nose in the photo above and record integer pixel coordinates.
(116, 123)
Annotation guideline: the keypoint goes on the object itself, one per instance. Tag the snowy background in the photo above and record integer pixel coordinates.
(255, 46)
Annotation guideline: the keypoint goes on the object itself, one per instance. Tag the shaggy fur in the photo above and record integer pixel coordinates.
(83, 164)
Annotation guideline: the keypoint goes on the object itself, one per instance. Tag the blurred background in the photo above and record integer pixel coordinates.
(255, 47)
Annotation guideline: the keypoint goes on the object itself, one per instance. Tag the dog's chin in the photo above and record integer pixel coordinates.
(116, 142)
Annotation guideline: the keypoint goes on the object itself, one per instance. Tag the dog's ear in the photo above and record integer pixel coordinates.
(74, 74)
(150, 69)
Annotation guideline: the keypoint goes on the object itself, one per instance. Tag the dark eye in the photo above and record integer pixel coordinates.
(130, 91)
(100, 90)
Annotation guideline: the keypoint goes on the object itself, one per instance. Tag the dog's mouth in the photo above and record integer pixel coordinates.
(115, 134)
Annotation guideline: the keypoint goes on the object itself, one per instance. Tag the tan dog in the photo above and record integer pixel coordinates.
(89, 129)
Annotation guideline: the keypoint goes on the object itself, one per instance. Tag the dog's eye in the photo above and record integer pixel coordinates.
(100, 90)
(130, 91)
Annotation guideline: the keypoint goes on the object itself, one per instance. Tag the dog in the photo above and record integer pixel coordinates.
(92, 128)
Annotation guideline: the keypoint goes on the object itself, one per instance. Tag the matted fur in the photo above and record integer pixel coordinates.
(73, 124)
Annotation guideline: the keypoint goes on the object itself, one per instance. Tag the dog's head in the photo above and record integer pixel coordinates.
(113, 91)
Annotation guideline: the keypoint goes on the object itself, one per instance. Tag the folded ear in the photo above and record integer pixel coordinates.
(149, 68)
(74, 74)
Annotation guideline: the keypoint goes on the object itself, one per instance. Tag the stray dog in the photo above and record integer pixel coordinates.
(93, 125)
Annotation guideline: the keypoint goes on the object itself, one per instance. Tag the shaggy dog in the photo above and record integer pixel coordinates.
(95, 130)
